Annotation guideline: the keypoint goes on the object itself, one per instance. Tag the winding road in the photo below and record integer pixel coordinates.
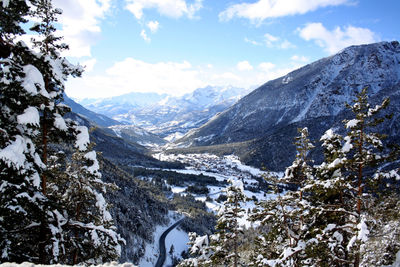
(161, 244)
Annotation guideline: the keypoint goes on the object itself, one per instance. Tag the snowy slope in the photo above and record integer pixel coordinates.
(132, 133)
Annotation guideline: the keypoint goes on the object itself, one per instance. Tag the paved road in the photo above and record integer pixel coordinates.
(161, 244)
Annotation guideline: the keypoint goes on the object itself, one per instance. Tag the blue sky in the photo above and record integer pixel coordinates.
(176, 46)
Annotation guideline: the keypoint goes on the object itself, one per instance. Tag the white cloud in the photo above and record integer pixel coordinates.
(175, 78)
(270, 39)
(153, 26)
(263, 9)
(244, 65)
(81, 24)
(266, 66)
(228, 76)
(276, 42)
(300, 58)
(285, 44)
(337, 39)
(144, 36)
(132, 75)
(169, 8)
(247, 40)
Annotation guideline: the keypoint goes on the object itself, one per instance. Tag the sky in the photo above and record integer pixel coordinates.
(177, 46)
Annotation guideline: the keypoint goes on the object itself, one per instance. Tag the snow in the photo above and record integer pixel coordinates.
(234, 161)
(347, 146)
(59, 122)
(30, 116)
(14, 153)
(363, 231)
(180, 240)
(82, 138)
(237, 184)
(102, 205)
(198, 243)
(352, 123)
(95, 166)
(177, 189)
(5, 3)
(328, 135)
(227, 168)
(33, 78)
(173, 137)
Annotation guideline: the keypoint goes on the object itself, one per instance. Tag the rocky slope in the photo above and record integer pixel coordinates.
(261, 126)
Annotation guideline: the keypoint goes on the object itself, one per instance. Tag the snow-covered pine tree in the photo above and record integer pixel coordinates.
(225, 242)
(22, 204)
(200, 251)
(37, 220)
(54, 70)
(328, 195)
(300, 170)
(365, 164)
(221, 248)
(287, 217)
(346, 185)
(89, 235)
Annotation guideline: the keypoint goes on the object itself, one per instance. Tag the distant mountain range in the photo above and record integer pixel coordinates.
(261, 126)
(167, 116)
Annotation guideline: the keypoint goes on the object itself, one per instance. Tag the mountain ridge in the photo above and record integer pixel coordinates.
(313, 96)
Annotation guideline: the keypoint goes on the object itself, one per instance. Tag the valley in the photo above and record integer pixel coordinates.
(212, 193)
(181, 152)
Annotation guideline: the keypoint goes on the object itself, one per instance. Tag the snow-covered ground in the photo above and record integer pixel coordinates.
(176, 237)
(180, 240)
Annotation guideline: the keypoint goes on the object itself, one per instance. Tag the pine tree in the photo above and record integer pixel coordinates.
(346, 185)
(287, 216)
(22, 203)
(43, 201)
(89, 235)
(221, 248)
(225, 242)
(200, 251)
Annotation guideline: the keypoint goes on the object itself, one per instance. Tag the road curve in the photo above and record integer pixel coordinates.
(161, 244)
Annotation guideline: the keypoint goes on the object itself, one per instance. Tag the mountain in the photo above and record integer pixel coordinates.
(99, 119)
(261, 126)
(138, 135)
(167, 116)
(118, 107)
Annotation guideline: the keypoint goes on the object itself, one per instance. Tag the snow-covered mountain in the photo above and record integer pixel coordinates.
(132, 133)
(170, 117)
(262, 125)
